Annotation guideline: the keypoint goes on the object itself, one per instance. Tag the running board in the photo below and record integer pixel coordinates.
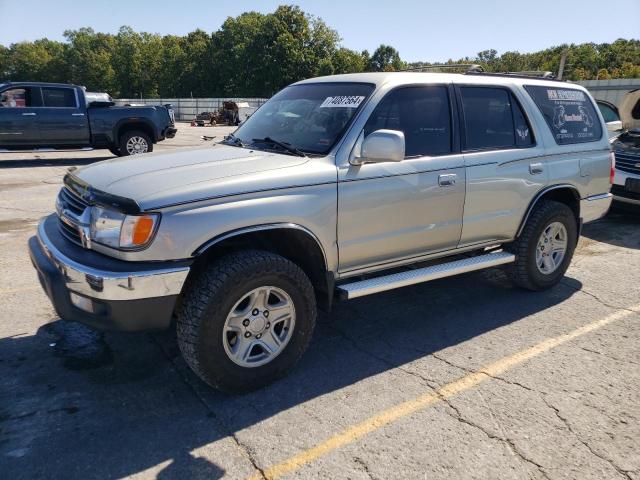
(426, 274)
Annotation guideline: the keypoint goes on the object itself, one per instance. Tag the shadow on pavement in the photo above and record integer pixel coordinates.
(50, 162)
(619, 228)
(145, 409)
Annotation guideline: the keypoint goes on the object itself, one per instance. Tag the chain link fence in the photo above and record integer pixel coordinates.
(186, 109)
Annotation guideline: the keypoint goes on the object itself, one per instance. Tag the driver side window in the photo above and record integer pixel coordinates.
(15, 98)
(421, 113)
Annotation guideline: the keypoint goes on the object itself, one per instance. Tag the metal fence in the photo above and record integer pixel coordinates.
(186, 109)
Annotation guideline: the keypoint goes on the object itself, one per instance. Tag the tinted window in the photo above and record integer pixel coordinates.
(488, 118)
(59, 97)
(422, 113)
(569, 113)
(608, 113)
(524, 136)
(15, 98)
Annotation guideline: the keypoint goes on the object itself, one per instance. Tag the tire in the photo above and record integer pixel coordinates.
(115, 151)
(533, 270)
(217, 293)
(131, 140)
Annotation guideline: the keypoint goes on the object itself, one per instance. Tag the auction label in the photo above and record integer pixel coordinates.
(347, 101)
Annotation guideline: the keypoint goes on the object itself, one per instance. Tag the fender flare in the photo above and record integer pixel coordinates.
(258, 228)
(537, 198)
(133, 120)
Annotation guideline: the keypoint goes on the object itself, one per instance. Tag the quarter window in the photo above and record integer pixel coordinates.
(493, 119)
(569, 113)
(59, 97)
(421, 113)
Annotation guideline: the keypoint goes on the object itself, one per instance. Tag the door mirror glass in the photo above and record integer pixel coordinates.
(381, 146)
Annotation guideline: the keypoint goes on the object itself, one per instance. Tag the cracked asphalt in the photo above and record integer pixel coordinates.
(74, 405)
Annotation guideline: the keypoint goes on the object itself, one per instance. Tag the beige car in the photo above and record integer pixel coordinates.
(337, 187)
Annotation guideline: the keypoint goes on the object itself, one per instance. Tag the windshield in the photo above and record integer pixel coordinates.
(310, 117)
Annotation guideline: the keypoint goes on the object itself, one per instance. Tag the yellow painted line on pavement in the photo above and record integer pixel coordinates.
(409, 407)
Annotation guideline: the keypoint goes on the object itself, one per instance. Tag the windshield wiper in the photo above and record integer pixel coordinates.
(233, 140)
(284, 145)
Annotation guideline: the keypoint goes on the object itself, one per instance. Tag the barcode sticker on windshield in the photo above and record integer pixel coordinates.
(352, 101)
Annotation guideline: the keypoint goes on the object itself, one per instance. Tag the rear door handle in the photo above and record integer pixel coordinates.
(535, 168)
(77, 114)
(30, 114)
(447, 180)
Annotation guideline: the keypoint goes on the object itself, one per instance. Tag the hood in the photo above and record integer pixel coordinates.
(159, 179)
(630, 110)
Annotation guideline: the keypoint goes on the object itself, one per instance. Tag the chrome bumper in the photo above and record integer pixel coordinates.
(112, 285)
(595, 207)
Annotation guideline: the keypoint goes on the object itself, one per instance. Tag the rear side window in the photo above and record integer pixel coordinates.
(59, 97)
(569, 113)
(421, 113)
(493, 119)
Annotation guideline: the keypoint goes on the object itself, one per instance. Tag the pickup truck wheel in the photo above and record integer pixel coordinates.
(135, 142)
(115, 151)
(246, 320)
(545, 247)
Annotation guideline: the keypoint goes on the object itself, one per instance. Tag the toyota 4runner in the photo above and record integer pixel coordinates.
(339, 186)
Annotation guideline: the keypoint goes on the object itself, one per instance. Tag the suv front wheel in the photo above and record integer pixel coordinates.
(545, 247)
(246, 320)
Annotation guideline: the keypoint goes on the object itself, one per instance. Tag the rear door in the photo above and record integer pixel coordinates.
(505, 164)
(62, 119)
(18, 117)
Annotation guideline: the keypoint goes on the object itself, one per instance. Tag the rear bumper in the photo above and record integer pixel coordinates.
(102, 292)
(595, 207)
(169, 132)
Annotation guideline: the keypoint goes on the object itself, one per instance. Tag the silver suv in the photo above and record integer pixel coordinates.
(338, 186)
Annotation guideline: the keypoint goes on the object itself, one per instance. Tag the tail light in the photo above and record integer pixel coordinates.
(612, 174)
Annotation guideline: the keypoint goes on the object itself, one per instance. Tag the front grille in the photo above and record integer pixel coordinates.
(75, 207)
(72, 202)
(626, 162)
(70, 233)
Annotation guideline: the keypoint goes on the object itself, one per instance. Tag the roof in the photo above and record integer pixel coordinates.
(399, 78)
(39, 84)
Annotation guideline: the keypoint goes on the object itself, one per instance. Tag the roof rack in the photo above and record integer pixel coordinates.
(463, 67)
(546, 75)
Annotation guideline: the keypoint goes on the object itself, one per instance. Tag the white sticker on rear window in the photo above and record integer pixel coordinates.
(344, 101)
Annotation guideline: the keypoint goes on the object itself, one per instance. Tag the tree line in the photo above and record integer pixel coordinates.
(257, 54)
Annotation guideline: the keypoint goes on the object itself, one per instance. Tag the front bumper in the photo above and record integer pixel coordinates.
(595, 207)
(102, 292)
(620, 193)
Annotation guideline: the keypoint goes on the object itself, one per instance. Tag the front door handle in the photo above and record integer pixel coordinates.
(535, 168)
(447, 180)
(30, 114)
(77, 114)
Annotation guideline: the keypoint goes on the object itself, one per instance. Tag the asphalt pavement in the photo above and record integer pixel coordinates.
(465, 377)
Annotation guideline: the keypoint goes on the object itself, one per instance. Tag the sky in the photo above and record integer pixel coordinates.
(420, 29)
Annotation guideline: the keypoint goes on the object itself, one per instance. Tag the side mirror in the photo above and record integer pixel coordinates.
(381, 146)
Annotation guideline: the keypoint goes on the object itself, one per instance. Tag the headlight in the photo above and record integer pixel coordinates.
(118, 230)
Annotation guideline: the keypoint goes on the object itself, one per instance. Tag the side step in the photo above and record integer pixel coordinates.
(426, 274)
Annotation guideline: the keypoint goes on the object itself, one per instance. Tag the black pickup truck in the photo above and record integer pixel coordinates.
(35, 116)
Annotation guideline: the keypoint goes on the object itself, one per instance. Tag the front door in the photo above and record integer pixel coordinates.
(18, 117)
(397, 210)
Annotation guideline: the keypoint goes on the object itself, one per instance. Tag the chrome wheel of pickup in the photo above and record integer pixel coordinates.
(552, 247)
(259, 326)
(136, 145)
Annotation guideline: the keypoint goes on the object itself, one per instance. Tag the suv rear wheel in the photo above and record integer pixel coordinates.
(545, 247)
(134, 142)
(246, 320)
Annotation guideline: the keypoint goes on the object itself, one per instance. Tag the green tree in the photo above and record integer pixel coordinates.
(384, 59)
(89, 61)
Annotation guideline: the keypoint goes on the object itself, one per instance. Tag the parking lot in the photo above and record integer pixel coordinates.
(465, 377)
